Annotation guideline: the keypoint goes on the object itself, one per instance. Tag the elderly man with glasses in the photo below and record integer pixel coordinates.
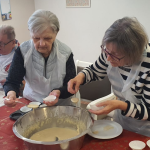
(7, 49)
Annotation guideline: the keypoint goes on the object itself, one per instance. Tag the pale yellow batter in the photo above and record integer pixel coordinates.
(50, 134)
(33, 106)
(106, 128)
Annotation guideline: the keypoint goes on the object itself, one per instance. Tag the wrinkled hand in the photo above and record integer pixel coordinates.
(3, 81)
(109, 106)
(55, 93)
(11, 95)
(74, 84)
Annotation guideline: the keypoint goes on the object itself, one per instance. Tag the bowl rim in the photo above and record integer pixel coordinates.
(132, 144)
(48, 143)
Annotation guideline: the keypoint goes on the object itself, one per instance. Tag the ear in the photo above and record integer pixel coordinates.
(14, 41)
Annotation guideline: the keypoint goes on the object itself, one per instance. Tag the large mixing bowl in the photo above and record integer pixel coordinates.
(58, 116)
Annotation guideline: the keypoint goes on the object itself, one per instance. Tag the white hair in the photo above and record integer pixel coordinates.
(40, 20)
(129, 36)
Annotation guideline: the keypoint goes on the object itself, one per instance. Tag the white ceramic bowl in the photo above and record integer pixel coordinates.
(34, 103)
(49, 98)
(148, 143)
(93, 106)
(137, 145)
(25, 109)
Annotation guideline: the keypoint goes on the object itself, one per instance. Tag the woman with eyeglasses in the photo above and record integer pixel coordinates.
(125, 59)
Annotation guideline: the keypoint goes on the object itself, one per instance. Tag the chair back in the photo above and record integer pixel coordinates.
(95, 89)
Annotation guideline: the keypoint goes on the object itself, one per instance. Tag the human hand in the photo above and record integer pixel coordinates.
(11, 95)
(74, 84)
(55, 93)
(109, 106)
(3, 81)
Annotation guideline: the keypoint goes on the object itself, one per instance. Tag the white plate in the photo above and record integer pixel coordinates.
(105, 129)
(34, 103)
(25, 109)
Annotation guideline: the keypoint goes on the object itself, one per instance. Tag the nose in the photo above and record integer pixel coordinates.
(42, 42)
(108, 57)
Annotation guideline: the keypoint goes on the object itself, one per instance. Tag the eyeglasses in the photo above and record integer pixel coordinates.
(3, 44)
(112, 56)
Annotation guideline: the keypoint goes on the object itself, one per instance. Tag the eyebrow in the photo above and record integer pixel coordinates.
(48, 37)
(113, 52)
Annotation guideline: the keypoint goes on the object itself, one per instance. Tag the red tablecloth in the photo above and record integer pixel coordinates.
(8, 141)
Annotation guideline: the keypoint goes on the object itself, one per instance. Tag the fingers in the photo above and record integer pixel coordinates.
(48, 103)
(17, 99)
(77, 87)
(11, 96)
(73, 86)
(101, 104)
(109, 106)
(100, 112)
(10, 103)
(108, 102)
(105, 109)
(70, 86)
(55, 93)
(52, 103)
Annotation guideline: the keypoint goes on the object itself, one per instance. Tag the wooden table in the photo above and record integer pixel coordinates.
(8, 140)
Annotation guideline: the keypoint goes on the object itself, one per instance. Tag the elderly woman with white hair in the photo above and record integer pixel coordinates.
(44, 62)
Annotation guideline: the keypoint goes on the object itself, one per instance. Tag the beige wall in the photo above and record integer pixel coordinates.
(82, 29)
(21, 10)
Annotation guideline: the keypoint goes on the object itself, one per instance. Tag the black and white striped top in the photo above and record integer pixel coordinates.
(140, 88)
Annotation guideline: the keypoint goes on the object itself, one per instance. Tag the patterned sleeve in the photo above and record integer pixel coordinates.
(141, 90)
(96, 71)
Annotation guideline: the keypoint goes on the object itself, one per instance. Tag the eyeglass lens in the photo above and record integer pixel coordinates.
(107, 53)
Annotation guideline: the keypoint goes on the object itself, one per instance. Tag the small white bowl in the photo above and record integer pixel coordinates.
(34, 103)
(25, 109)
(137, 145)
(49, 98)
(94, 107)
(148, 143)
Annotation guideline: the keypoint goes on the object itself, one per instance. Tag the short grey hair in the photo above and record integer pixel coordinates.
(8, 30)
(40, 20)
(129, 37)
